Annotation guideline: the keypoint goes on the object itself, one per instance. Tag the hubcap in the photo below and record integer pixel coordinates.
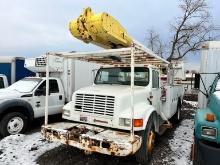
(15, 125)
(150, 142)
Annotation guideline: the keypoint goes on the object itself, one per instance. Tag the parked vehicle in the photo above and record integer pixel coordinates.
(13, 68)
(206, 148)
(3, 81)
(128, 105)
(24, 100)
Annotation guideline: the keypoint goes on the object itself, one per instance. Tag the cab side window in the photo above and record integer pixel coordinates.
(1, 83)
(53, 86)
(155, 79)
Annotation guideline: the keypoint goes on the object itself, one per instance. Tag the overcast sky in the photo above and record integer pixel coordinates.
(30, 28)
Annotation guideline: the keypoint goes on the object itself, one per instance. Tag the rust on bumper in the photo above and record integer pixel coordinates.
(92, 138)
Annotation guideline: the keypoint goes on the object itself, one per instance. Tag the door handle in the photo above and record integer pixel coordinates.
(38, 104)
(60, 97)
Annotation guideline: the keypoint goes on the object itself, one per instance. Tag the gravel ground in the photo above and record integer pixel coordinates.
(172, 148)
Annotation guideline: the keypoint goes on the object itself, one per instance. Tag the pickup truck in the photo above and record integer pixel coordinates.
(3, 81)
(23, 101)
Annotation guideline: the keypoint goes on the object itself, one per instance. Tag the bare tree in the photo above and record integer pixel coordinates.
(191, 29)
(155, 43)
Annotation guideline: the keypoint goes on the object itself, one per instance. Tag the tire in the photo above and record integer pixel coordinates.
(177, 116)
(197, 155)
(13, 123)
(143, 155)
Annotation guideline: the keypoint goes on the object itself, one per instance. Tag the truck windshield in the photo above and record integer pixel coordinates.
(122, 76)
(25, 85)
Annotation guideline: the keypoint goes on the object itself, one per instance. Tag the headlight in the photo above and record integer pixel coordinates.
(125, 122)
(209, 132)
(66, 112)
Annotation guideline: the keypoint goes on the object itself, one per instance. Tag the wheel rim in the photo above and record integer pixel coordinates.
(15, 125)
(150, 142)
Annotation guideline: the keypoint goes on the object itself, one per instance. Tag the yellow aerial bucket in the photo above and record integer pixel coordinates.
(99, 29)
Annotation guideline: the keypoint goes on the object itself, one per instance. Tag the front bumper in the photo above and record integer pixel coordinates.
(208, 152)
(92, 138)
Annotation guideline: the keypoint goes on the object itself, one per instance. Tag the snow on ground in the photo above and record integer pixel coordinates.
(181, 143)
(23, 149)
(173, 150)
(194, 104)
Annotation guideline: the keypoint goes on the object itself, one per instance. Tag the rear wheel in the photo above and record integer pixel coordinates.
(144, 154)
(13, 123)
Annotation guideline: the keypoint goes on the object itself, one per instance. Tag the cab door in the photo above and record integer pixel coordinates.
(56, 99)
(156, 91)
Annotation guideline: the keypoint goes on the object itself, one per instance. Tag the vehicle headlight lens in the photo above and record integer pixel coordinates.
(209, 132)
(66, 112)
(125, 122)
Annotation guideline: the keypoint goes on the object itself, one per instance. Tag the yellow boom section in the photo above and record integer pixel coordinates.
(99, 29)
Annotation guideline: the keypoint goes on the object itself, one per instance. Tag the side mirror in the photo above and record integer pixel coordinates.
(40, 92)
(197, 81)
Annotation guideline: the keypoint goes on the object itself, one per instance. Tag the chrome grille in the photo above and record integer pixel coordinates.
(96, 104)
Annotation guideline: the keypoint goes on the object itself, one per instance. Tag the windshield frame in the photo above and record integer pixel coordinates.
(39, 82)
(101, 69)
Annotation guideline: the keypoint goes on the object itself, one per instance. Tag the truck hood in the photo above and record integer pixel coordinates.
(109, 90)
(9, 94)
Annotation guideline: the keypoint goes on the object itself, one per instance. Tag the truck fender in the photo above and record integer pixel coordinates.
(151, 111)
(8, 105)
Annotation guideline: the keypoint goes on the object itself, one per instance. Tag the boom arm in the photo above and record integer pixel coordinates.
(100, 29)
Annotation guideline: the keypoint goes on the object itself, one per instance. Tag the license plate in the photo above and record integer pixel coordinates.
(83, 118)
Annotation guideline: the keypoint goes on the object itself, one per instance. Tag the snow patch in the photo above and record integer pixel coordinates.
(194, 104)
(23, 149)
(181, 143)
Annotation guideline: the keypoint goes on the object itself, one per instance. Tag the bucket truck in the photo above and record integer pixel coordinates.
(128, 104)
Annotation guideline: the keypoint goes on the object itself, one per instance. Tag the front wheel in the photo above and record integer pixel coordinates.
(13, 123)
(144, 154)
(197, 155)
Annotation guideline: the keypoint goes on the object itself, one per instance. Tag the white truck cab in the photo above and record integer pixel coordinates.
(3, 81)
(107, 101)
